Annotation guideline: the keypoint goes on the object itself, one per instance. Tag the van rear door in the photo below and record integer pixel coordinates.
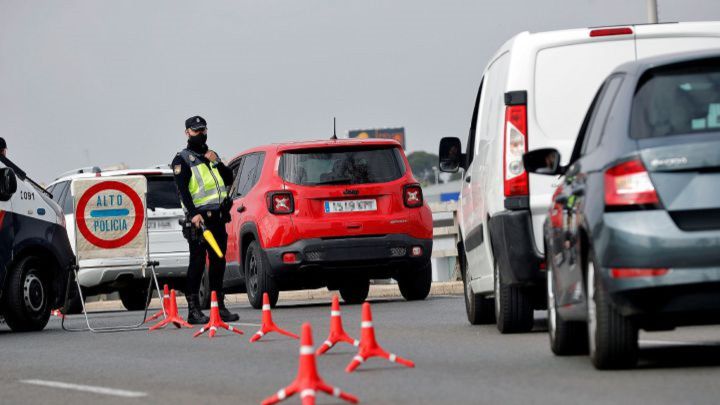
(660, 39)
(566, 79)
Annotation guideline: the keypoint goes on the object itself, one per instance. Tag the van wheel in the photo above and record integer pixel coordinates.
(613, 337)
(257, 277)
(355, 292)
(26, 300)
(513, 307)
(480, 309)
(415, 284)
(204, 291)
(133, 298)
(566, 338)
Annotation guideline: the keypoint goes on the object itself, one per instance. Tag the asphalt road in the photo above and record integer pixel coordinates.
(456, 363)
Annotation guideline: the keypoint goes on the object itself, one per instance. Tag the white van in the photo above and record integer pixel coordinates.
(534, 94)
(35, 254)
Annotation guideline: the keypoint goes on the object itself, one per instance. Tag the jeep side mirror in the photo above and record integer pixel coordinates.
(451, 156)
(543, 161)
(8, 183)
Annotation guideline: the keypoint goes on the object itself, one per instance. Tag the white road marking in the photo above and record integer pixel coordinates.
(676, 343)
(243, 324)
(86, 388)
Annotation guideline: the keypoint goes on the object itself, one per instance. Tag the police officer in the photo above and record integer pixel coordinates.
(202, 181)
(3, 147)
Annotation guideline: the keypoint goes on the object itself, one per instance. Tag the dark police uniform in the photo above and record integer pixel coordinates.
(202, 186)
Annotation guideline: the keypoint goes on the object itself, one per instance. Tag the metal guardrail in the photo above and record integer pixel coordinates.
(446, 234)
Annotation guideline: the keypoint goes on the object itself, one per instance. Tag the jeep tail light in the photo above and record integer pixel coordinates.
(413, 196)
(628, 184)
(516, 144)
(280, 202)
(635, 272)
(289, 258)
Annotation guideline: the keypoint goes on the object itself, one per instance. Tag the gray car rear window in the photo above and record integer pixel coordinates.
(677, 100)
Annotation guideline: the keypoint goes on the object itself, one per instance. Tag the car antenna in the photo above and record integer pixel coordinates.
(334, 137)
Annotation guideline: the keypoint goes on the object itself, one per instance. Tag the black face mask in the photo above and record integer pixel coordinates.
(198, 140)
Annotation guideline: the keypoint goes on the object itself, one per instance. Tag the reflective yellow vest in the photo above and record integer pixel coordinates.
(206, 187)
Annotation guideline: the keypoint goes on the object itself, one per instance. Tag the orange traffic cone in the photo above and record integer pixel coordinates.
(165, 305)
(267, 323)
(337, 333)
(369, 347)
(58, 313)
(215, 321)
(308, 381)
(172, 315)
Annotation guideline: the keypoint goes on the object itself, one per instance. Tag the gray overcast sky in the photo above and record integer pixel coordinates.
(104, 82)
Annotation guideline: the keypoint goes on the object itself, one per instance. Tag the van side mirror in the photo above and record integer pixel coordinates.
(543, 161)
(451, 156)
(8, 183)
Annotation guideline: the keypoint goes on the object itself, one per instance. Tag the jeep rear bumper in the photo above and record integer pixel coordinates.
(322, 262)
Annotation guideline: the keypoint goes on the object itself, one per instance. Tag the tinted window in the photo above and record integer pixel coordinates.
(470, 152)
(58, 191)
(677, 100)
(342, 166)
(162, 193)
(250, 173)
(600, 113)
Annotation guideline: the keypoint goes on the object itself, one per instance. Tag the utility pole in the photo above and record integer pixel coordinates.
(652, 11)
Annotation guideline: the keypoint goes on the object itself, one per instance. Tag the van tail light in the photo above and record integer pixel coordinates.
(629, 184)
(280, 202)
(635, 272)
(412, 196)
(608, 32)
(516, 144)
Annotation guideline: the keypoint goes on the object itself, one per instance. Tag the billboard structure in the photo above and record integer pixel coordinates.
(397, 134)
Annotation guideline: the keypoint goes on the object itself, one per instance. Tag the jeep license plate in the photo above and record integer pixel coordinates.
(350, 206)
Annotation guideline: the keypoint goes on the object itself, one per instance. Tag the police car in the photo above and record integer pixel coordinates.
(35, 253)
(167, 245)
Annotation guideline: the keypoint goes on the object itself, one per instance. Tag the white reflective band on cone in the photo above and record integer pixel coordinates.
(304, 350)
(366, 324)
(213, 328)
(166, 296)
(359, 358)
(266, 307)
(260, 333)
(393, 357)
(213, 304)
(334, 313)
(327, 343)
(356, 343)
(307, 393)
(336, 392)
(281, 394)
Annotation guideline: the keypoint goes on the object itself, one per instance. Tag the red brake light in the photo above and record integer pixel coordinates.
(606, 32)
(289, 258)
(413, 196)
(515, 176)
(629, 184)
(280, 202)
(633, 272)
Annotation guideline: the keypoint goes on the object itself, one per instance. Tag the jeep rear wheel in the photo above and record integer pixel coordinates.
(355, 292)
(415, 284)
(26, 305)
(257, 277)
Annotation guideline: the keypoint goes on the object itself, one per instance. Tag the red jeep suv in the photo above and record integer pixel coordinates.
(333, 214)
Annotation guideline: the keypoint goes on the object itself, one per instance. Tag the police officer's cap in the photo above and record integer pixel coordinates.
(195, 123)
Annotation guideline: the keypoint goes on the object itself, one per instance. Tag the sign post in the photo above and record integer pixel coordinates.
(111, 231)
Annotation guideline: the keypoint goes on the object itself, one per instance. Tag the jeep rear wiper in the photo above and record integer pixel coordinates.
(338, 181)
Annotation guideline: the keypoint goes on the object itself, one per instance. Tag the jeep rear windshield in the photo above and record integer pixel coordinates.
(162, 193)
(677, 100)
(315, 167)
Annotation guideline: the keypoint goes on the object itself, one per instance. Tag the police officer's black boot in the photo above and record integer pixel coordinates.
(195, 315)
(225, 314)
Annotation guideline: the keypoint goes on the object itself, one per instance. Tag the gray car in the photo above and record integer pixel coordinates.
(633, 236)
